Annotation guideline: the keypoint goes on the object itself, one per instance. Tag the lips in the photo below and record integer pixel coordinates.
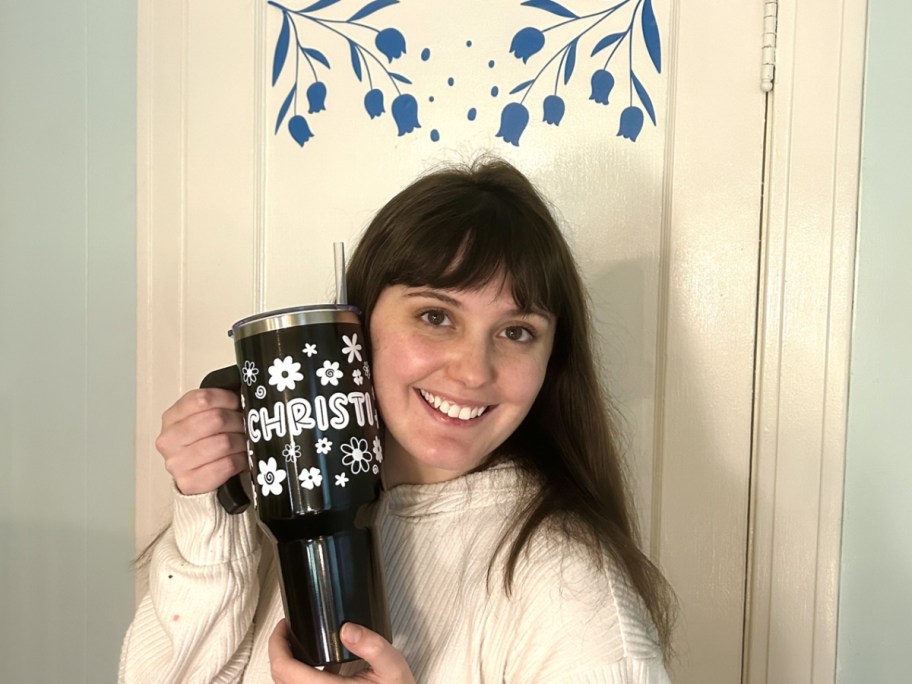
(452, 409)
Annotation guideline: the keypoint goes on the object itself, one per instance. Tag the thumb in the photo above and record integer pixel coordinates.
(387, 664)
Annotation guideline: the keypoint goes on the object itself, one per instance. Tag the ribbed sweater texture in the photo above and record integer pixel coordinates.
(214, 596)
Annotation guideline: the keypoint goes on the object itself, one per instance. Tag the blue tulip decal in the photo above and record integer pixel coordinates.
(373, 102)
(602, 83)
(554, 110)
(299, 129)
(405, 112)
(526, 43)
(316, 97)
(513, 122)
(391, 43)
(631, 123)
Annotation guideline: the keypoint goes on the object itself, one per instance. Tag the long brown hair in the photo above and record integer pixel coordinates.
(460, 227)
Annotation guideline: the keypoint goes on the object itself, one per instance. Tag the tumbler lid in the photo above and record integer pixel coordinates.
(298, 315)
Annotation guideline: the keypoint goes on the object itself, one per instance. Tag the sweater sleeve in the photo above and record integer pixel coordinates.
(195, 625)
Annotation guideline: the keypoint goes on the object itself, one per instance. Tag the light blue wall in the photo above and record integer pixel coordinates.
(67, 336)
(875, 606)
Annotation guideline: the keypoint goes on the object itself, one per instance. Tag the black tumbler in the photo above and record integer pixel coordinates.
(314, 450)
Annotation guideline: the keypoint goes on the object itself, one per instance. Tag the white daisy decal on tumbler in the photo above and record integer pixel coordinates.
(341, 480)
(270, 479)
(356, 376)
(323, 446)
(367, 370)
(291, 452)
(329, 374)
(249, 372)
(310, 350)
(310, 478)
(378, 449)
(352, 348)
(357, 457)
(284, 373)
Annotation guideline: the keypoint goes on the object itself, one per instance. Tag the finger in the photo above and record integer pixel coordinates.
(285, 669)
(198, 426)
(210, 476)
(387, 663)
(199, 400)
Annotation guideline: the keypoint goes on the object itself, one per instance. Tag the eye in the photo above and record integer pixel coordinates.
(517, 333)
(434, 317)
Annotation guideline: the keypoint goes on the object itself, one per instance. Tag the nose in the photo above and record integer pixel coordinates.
(472, 362)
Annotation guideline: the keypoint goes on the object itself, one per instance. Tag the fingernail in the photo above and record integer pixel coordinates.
(351, 633)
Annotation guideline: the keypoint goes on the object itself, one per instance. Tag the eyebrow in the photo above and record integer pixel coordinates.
(455, 303)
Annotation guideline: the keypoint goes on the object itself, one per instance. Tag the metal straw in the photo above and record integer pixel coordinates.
(341, 292)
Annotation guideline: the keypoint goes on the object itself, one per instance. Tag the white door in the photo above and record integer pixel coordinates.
(243, 190)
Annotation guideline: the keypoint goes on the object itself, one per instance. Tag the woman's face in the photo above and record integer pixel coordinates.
(455, 372)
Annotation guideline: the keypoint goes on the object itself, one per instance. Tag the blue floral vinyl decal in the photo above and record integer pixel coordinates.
(529, 41)
(306, 26)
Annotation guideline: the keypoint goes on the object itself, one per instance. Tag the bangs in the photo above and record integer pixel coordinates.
(464, 249)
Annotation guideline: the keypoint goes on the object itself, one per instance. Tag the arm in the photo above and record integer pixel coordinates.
(196, 622)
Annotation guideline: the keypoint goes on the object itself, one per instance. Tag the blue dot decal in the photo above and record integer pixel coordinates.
(425, 54)
(451, 81)
(494, 91)
(468, 43)
(431, 98)
(491, 64)
(435, 136)
(472, 114)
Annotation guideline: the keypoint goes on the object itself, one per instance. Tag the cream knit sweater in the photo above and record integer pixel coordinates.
(213, 601)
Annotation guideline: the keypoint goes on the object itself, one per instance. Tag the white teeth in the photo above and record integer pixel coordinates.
(452, 410)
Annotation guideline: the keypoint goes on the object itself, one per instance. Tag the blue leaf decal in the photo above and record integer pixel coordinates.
(400, 78)
(571, 61)
(522, 86)
(651, 36)
(283, 110)
(356, 59)
(319, 5)
(370, 8)
(644, 97)
(281, 50)
(551, 6)
(317, 55)
(607, 41)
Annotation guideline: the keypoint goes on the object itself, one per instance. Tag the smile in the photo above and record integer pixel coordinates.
(452, 409)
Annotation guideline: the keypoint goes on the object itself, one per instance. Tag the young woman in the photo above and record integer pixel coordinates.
(507, 536)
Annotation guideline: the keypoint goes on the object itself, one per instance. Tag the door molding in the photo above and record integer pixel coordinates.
(803, 337)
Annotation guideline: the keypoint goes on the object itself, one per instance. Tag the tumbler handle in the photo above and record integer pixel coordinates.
(231, 494)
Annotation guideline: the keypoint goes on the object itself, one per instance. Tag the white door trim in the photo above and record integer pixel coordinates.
(804, 333)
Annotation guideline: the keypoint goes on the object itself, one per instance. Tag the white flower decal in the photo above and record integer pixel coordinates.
(329, 374)
(356, 376)
(310, 350)
(357, 457)
(249, 455)
(352, 348)
(284, 373)
(323, 446)
(269, 479)
(341, 480)
(291, 452)
(367, 370)
(249, 372)
(260, 392)
(378, 449)
(243, 403)
(311, 478)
